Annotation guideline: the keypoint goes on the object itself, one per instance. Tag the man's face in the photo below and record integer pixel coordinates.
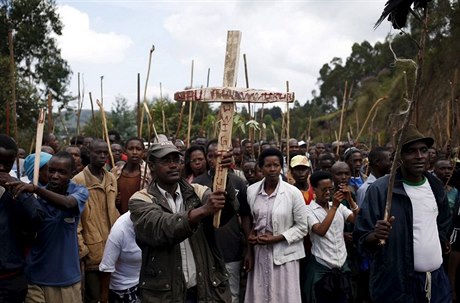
(180, 145)
(54, 143)
(293, 145)
(320, 148)
(384, 163)
(59, 174)
(167, 169)
(432, 155)
(249, 170)
(443, 169)
(87, 141)
(324, 191)
(76, 154)
(134, 151)
(117, 150)
(248, 148)
(99, 154)
(341, 174)
(211, 156)
(414, 157)
(237, 155)
(300, 173)
(21, 153)
(7, 158)
(325, 165)
(355, 162)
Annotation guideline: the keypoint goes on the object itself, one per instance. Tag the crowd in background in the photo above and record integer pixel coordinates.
(301, 222)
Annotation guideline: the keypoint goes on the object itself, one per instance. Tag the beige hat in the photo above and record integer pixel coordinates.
(300, 160)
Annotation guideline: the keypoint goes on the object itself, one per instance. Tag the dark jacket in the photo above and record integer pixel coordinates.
(159, 233)
(19, 221)
(229, 238)
(392, 266)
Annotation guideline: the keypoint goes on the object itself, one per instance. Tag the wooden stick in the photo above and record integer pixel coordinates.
(376, 103)
(50, 112)
(251, 131)
(226, 110)
(407, 118)
(145, 107)
(341, 118)
(106, 131)
(13, 89)
(102, 90)
(38, 146)
(92, 113)
(163, 116)
(189, 128)
(288, 125)
(139, 132)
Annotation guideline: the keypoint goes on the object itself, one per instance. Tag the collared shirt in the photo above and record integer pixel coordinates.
(188, 261)
(330, 249)
(362, 190)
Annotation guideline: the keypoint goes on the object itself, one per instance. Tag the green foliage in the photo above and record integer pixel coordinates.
(123, 118)
(39, 66)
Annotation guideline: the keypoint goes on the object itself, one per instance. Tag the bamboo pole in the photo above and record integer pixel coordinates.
(163, 116)
(102, 90)
(92, 114)
(144, 101)
(38, 145)
(189, 127)
(341, 118)
(288, 124)
(106, 131)
(376, 103)
(138, 124)
(12, 83)
(408, 116)
(50, 112)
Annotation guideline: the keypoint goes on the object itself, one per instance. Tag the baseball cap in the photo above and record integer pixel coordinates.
(300, 160)
(162, 149)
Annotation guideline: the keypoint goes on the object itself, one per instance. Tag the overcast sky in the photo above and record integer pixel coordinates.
(283, 41)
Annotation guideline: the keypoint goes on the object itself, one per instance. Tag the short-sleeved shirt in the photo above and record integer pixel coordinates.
(122, 257)
(329, 250)
(54, 259)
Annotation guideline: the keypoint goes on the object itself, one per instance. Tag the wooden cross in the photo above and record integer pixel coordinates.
(228, 95)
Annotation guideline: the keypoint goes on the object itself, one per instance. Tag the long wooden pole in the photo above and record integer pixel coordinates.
(38, 145)
(407, 118)
(288, 125)
(144, 101)
(189, 128)
(341, 118)
(94, 117)
(13, 92)
(226, 110)
(139, 133)
(106, 131)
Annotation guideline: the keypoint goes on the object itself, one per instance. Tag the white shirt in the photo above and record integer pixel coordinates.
(329, 250)
(188, 261)
(427, 247)
(122, 257)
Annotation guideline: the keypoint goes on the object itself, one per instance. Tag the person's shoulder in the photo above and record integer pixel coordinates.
(237, 181)
(381, 182)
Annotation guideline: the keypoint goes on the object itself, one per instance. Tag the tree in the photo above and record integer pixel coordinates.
(123, 118)
(40, 68)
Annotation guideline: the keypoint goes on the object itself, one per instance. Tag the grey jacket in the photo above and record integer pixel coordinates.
(159, 232)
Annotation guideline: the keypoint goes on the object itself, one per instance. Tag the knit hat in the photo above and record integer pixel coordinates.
(29, 163)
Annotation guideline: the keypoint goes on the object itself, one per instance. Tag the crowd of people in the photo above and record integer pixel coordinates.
(299, 221)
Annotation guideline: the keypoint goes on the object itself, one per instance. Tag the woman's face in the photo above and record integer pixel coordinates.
(197, 162)
(271, 168)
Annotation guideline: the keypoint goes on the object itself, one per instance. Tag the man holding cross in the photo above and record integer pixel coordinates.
(408, 266)
(173, 221)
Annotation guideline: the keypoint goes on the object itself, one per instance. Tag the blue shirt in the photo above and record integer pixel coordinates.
(54, 259)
